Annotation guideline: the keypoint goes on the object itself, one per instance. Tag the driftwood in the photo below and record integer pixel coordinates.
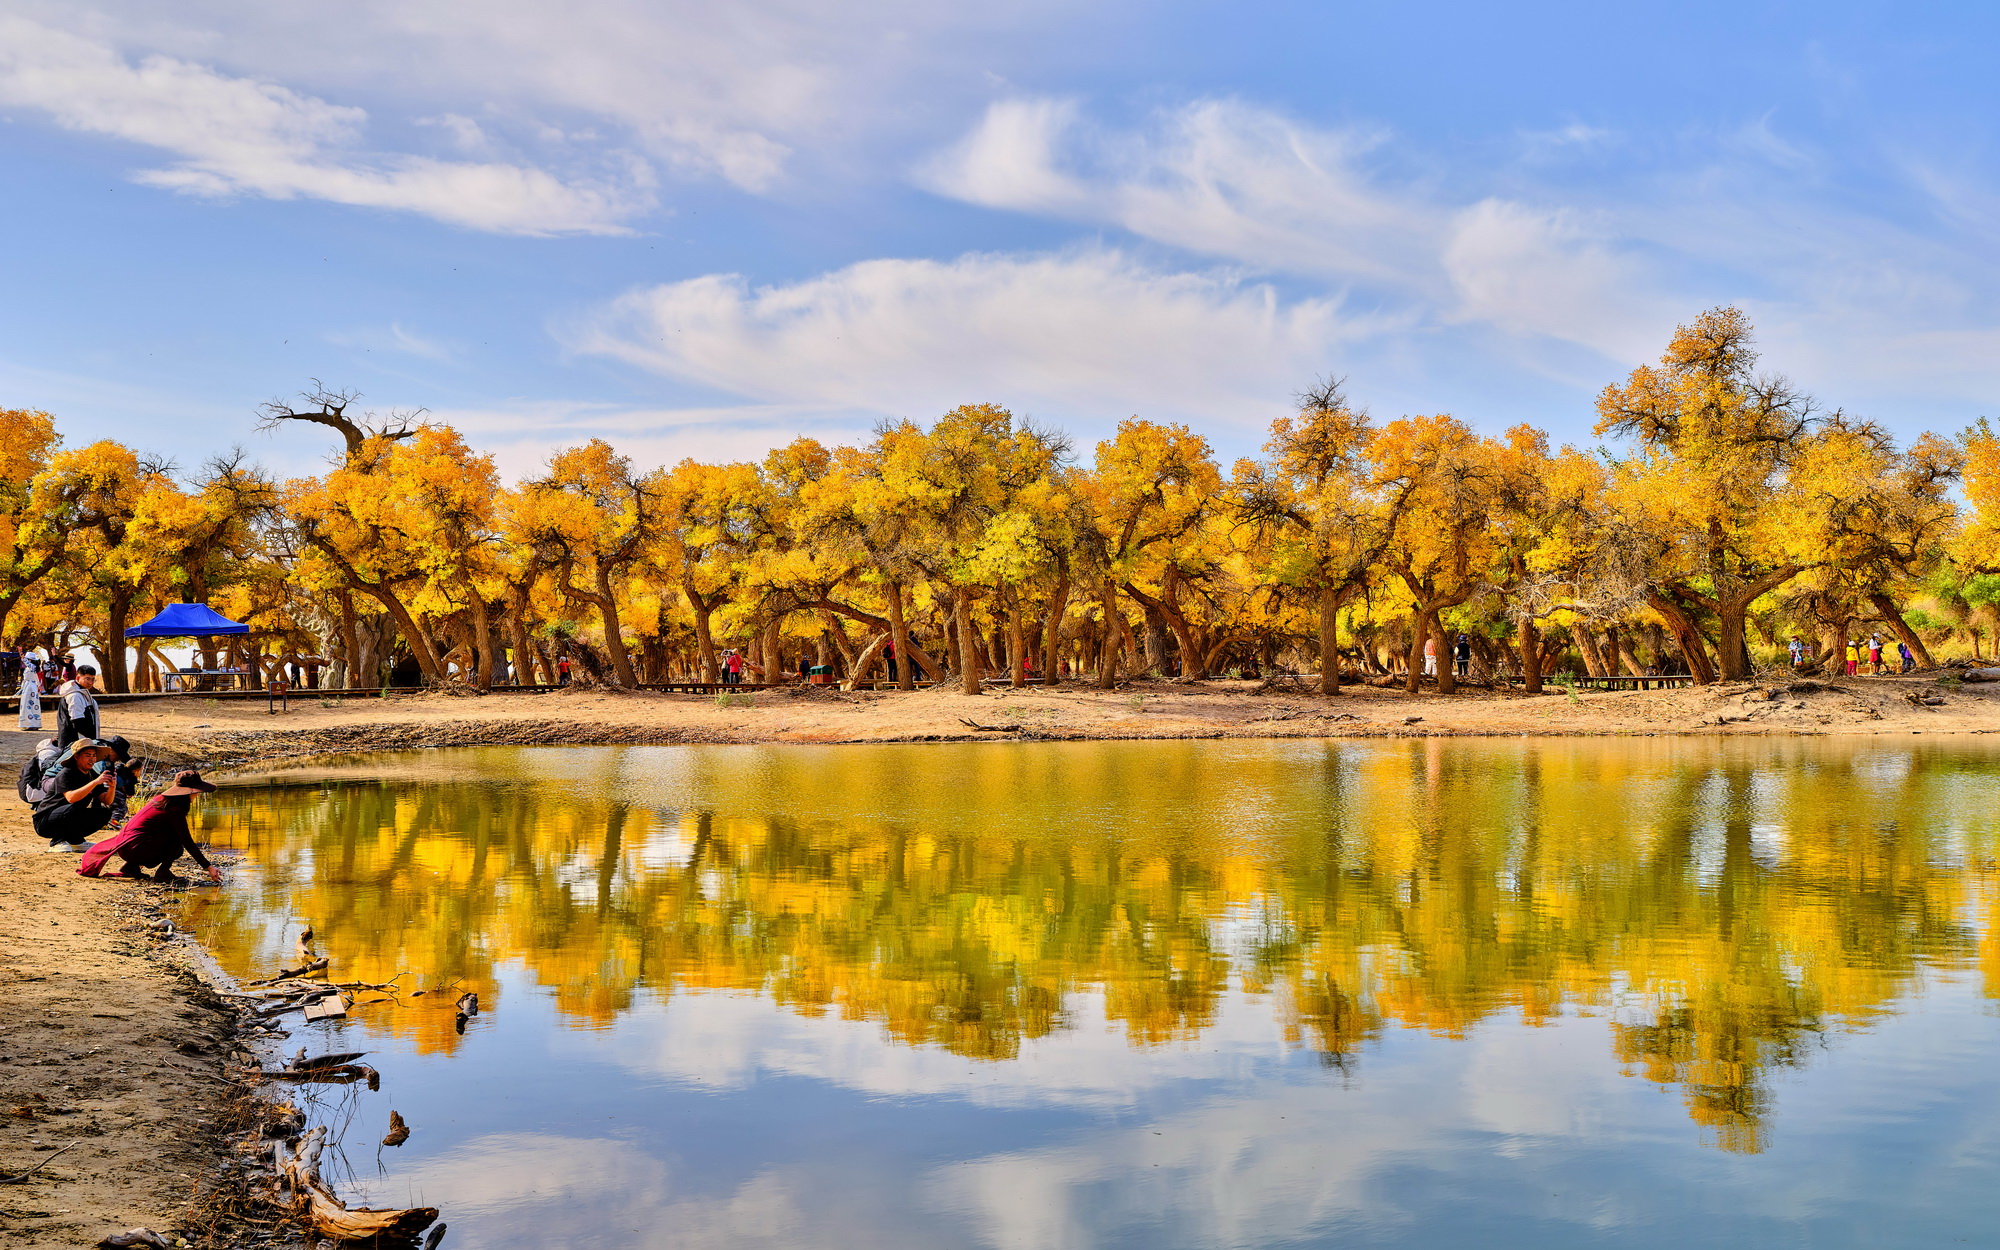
(331, 1217)
(316, 965)
(992, 729)
(302, 1064)
(437, 1235)
(398, 1133)
(305, 946)
(340, 1074)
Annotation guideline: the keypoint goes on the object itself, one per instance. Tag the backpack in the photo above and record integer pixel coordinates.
(37, 772)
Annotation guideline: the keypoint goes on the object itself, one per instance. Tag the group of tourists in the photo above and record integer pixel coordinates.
(36, 673)
(80, 783)
(1870, 651)
(1461, 656)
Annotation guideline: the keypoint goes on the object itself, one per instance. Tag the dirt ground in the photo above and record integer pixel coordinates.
(111, 1044)
(222, 732)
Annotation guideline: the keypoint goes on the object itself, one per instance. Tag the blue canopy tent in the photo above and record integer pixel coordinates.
(187, 620)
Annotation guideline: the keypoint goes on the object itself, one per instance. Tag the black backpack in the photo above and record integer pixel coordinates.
(36, 772)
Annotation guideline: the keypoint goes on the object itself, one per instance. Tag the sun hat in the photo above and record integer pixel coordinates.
(81, 744)
(188, 781)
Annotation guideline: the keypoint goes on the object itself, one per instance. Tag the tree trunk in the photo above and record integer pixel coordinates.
(1732, 651)
(1528, 640)
(968, 642)
(1414, 682)
(704, 639)
(1622, 649)
(349, 641)
(116, 680)
(899, 633)
(1329, 641)
(614, 637)
(1107, 659)
(1890, 613)
(523, 660)
(482, 638)
(420, 645)
(1447, 657)
(1017, 647)
(1586, 646)
(1687, 636)
(1052, 629)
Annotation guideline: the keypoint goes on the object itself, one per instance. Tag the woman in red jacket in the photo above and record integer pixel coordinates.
(156, 836)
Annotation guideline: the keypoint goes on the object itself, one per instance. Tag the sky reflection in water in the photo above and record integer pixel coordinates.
(1043, 996)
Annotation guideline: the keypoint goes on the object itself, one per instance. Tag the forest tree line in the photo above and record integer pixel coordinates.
(1730, 513)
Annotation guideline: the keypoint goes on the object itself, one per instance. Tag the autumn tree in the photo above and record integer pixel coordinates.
(1715, 449)
(1316, 508)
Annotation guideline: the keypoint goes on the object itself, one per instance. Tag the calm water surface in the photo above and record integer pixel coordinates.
(1053, 996)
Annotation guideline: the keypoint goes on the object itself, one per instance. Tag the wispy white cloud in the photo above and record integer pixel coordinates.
(1846, 297)
(241, 136)
(522, 436)
(1087, 332)
(1229, 180)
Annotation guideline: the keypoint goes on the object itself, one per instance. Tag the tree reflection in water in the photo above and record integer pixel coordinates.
(1725, 904)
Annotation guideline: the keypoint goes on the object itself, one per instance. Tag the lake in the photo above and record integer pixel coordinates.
(1648, 992)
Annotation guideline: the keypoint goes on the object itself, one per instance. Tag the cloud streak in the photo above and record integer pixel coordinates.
(234, 136)
(1091, 332)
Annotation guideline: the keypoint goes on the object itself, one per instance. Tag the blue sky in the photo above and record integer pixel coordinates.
(699, 229)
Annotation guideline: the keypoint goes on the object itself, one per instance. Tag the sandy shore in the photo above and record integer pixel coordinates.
(112, 1045)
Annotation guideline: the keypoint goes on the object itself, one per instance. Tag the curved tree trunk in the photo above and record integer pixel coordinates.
(1687, 636)
(614, 638)
(1894, 616)
(1419, 627)
(1052, 630)
(704, 639)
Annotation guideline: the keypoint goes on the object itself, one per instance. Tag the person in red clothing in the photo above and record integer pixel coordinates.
(156, 836)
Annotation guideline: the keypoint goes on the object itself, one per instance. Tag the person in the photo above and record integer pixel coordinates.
(76, 707)
(156, 836)
(1461, 657)
(805, 667)
(562, 671)
(295, 674)
(735, 666)
(1431, 656)
(1853, 657)
(127, 771)
(889, 657)
(1797, 648)
(31, 695)
(78, 802)
(1875, 653)
(1909, 657)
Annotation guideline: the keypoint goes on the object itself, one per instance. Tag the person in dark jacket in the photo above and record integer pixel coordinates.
(76, 708)
(79, 802)
(156, 836)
